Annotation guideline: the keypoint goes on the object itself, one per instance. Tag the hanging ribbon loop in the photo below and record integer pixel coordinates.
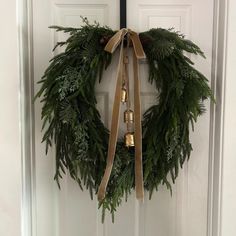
(138, 53)
(116, 39)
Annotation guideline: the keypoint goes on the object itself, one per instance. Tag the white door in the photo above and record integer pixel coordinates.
(70, 212)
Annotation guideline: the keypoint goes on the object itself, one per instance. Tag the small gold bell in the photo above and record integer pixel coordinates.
(123, 95)
(128, 116)
(129, 139)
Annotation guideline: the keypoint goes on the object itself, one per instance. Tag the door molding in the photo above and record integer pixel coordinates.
(25, 45)
(217, 112)
(25, 39)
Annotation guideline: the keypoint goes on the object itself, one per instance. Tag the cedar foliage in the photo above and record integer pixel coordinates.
(73, 124)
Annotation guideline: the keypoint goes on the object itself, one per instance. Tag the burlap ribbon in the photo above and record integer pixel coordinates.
(138, 53)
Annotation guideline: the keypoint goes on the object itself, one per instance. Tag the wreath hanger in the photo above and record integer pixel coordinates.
(123, 14)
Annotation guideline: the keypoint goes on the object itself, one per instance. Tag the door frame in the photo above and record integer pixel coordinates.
(218, 81)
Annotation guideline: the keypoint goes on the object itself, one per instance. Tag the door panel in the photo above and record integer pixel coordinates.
(188, 208)
(70, 212)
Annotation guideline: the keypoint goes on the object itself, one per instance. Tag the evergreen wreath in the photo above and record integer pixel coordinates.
(72, 121)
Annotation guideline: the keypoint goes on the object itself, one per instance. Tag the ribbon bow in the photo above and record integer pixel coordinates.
(138, 53)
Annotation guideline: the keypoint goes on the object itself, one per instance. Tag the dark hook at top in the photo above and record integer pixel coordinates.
(123, 14)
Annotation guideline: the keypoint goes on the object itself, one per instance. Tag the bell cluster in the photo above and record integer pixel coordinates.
(128, 119)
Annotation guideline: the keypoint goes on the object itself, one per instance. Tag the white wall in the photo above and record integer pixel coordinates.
(10, 160)
(229, 136)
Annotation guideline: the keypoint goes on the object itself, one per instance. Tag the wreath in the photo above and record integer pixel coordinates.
(72, 122)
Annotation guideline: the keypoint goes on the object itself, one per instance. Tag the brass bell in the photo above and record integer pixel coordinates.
(128, 116)
(129, 139)
(123, 95)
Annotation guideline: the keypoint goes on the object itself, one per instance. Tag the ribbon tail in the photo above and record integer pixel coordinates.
(114, 130)
(137, 132)
(138, 53)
